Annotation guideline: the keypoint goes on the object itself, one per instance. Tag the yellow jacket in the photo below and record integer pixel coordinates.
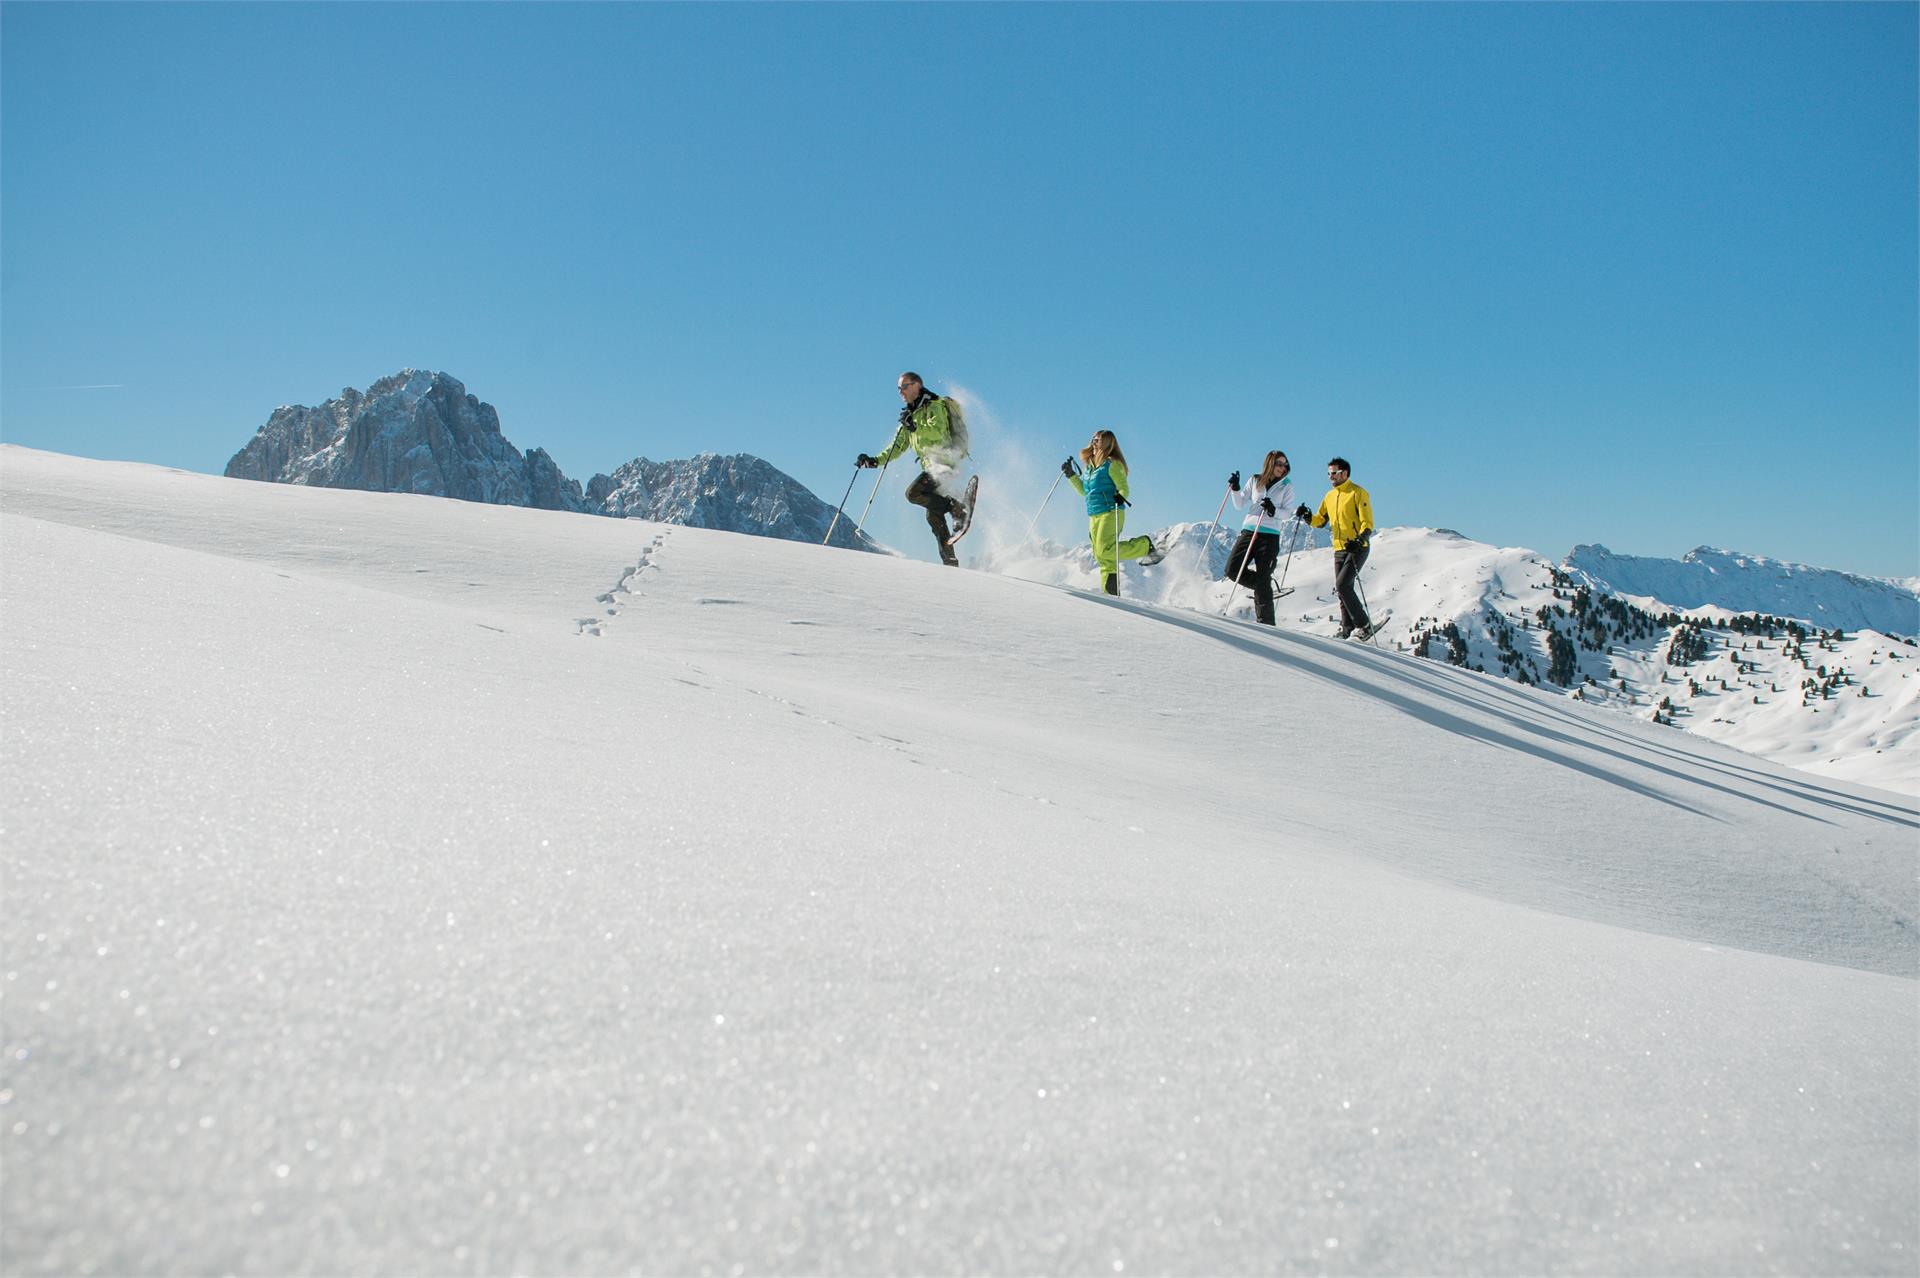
(1348, 510)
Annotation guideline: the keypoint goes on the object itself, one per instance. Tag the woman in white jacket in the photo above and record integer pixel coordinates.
(1268, 501)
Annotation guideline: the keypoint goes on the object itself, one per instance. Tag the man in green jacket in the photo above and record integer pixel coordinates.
(931, 427)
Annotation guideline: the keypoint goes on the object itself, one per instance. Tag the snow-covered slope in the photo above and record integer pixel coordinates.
(396, 885)
(1707, 578)
(1847, 708)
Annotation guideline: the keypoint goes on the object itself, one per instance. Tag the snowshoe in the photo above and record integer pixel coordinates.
(963, 511)
(1366, 633)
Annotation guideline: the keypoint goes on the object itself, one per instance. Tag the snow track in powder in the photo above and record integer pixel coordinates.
(617, 599)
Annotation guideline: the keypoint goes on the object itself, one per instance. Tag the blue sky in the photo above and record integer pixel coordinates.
(1636, 274)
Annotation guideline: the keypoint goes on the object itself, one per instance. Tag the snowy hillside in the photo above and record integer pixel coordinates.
(1845, 708)
(1720, 579)
(396, 885)
(1854, 712)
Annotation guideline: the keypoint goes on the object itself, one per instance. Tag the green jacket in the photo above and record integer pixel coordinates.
(927, 428)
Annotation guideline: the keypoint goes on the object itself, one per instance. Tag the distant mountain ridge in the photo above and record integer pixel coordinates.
(421, 432)
(1710, 578)
(737, 493)
(413, 432)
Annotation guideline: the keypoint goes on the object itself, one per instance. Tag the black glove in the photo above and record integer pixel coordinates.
(1266, 506)
(1119, 502)
(1302, 512)
(865, 462)
(1069, 468)
(1233, 482)
(1361, 542)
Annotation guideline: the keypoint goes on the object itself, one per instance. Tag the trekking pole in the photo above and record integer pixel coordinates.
(842, 506)
(1212, 528)
(1117, 500)
(875, 493)
(1246, 555)
(1035, 523)
(1291, 543)
(1234, 594)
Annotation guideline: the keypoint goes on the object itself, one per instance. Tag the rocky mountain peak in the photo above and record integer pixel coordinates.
(419, 431)
(734, 493)
(413, 432)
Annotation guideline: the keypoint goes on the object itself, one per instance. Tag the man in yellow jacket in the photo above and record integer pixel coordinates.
(1347, 512)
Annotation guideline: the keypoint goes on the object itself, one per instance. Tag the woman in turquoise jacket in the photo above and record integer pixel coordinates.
(1106, 490)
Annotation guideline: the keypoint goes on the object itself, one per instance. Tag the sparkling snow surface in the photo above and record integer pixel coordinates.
(399, 885)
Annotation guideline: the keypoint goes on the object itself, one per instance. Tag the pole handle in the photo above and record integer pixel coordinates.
(875, 493)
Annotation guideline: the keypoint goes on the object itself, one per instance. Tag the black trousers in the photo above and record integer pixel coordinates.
(1346, 570)
(1255, 566)
(926, 494)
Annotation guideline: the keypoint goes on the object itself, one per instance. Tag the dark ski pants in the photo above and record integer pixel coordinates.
(926, 494)
(1256, 569)
(1346, 571)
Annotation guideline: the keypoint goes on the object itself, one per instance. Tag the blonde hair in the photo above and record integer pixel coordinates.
(1109, 446)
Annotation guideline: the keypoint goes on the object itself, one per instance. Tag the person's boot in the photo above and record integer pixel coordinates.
(948, 556)
(1111, 584)
(1155, 553)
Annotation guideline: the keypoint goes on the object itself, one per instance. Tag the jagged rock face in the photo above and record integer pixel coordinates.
(740, 493)
(414, 432)
(420, 432)
(547, 487)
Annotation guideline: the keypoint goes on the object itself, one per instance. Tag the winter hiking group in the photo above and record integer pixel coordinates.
(933, 427)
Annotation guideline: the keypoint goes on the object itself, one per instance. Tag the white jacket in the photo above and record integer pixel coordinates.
(1248, 499)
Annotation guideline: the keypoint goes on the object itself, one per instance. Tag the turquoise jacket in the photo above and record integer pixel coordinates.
(1099, 484)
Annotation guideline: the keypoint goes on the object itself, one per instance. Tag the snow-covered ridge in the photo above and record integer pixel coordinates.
(1711, 578)
(1846, 707)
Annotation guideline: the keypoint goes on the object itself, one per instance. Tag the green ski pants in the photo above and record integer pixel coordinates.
(1104, 530)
